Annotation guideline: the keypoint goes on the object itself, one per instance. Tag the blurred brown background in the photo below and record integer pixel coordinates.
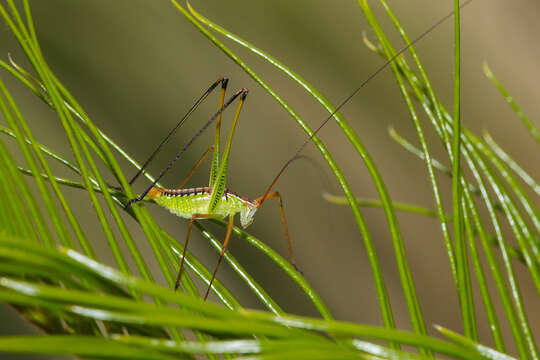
(136, 66)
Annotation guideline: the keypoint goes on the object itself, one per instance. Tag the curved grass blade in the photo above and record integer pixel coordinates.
(510, 100)
(521, 330)
(29, 157)
(464, 288)
(512, 164)
(85, 346)
(523, 197)
(480, 276)
(42, 230)
(374, 203)
(515, 252)
(482, 350)
(519, 228)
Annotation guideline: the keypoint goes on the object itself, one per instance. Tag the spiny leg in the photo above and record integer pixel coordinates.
(223, 250)
(181, 268)
(179, 154)
(223, 82)
(216, 147)
(276, 195)
(210, 149)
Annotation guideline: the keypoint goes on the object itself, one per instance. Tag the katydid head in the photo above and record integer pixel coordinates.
(247, 213)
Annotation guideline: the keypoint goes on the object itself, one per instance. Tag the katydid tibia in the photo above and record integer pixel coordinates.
(215, 200)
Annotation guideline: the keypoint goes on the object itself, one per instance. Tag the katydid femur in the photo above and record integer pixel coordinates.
(214, 201)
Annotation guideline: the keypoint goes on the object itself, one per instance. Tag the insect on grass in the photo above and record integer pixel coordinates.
(215, 200)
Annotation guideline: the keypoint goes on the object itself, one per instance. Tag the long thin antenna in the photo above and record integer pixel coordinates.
(353, 94)
(201, 130)
(223, 82)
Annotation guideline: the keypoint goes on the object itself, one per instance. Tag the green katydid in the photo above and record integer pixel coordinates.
(215, 200)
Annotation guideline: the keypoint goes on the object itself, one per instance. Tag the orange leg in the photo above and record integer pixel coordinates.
(223, 251)
(193, 218)
(276, 195)
(210, 149)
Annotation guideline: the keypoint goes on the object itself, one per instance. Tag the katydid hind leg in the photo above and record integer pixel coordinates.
(221, 176)
(189, 143)
(221, 80)
(217, 140)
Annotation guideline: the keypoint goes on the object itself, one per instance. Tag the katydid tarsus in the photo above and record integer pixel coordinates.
(215, 200)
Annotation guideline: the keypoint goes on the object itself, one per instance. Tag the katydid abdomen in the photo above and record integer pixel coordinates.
(187, 202)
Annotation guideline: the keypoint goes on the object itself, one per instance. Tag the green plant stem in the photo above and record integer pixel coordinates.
(464, 286)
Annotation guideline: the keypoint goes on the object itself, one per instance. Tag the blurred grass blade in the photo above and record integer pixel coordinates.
(512, 164)
(85, 346)
(364, 202)
(493, 320)
(510, 100)
(462, 262)
(483, 351)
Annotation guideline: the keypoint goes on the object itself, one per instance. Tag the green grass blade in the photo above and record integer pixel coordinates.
(483, 351)
(519, 228)
(15, 220)
(521, 330)
(85, 346)
(29, 157)
(512, 164)
(23, 189)
(364, 202)
(28, 45)
(523, 197)
(510, 100)
(464, 284)
(482, 283)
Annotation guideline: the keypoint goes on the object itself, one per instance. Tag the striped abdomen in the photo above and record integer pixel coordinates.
(187, 202)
